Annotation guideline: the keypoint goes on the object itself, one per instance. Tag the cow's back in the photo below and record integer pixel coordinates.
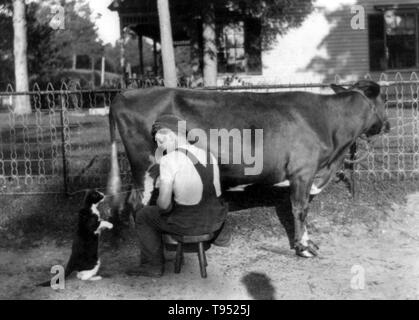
(287, 119)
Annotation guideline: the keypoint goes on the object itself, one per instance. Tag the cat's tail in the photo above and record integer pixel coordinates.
(68, 270)
(44, 284)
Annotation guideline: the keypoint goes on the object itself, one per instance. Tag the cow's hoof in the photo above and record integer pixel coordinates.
(312, 251)
(313, 247)
(305, 252)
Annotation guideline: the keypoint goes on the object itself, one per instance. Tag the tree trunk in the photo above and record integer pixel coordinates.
(102, 72)
(129, 71)
(92, 59)
(141, 54)
(74, 66)
(168, 53)
(20, 44)
(196, 79)
(155, 67)
(122, 60)
(210, 45)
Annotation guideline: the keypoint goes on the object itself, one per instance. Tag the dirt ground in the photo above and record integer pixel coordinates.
(378, 243)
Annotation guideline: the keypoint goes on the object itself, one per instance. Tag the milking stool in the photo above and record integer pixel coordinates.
(182, 244)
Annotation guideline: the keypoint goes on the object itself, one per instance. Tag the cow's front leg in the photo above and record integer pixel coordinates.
(307, 243)
(300, 194)
(313, 247)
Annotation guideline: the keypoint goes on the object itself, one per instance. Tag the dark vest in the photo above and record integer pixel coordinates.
(206, 216)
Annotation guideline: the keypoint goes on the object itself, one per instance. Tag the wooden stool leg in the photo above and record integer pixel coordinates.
(201, 257)
(179, 256)
(205, 259)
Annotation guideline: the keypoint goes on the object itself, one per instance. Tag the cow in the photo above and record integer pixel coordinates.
(306, 136)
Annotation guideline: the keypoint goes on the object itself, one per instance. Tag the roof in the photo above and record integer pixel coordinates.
(142, 17)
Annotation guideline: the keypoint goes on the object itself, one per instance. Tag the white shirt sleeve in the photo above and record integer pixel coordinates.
(167, 170)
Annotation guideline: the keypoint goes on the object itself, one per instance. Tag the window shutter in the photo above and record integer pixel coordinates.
(253, 46)
(378, 60)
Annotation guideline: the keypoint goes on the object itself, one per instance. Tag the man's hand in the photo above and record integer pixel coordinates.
(163, 211)
(157, 184)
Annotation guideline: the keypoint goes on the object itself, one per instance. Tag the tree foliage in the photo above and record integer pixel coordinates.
(80, 33)
(41, 55)
(49, 50)
(276, 16)
(6, 45)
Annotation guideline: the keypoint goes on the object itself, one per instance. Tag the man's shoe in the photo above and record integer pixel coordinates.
(224, 239)
(146, 270)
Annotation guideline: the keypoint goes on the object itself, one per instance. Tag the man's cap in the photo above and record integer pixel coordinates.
(168, 121)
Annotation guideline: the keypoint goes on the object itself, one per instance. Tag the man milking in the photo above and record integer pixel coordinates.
(188, 201)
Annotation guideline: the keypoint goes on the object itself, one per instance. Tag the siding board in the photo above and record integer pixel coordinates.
(339, 49)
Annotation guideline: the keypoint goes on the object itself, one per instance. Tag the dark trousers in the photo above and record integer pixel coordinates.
(150, 225)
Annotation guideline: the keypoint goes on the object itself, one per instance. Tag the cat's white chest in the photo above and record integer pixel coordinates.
(95, 210)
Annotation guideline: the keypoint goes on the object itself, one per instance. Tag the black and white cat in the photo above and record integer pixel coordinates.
(84, 257)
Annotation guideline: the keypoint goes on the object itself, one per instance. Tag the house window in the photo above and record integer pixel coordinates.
(239, 47)
(231, 55)
(393, 40)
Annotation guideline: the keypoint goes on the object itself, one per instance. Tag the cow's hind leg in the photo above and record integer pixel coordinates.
(300, 195)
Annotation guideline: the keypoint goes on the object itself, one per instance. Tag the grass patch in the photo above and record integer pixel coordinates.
(32, 146)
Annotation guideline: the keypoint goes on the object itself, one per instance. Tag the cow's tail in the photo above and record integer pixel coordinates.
(114, 177)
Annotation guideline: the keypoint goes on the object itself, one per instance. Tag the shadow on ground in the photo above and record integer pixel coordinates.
(55, 216)
(259, 286)
(28, 218)
(265, 196)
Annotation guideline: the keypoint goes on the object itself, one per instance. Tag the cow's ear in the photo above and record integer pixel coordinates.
(371, 89)
(338, 89)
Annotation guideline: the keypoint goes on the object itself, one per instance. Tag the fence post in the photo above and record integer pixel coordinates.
(63, 151)
(354, 188)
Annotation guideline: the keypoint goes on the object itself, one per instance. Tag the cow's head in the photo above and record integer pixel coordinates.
(377, 121)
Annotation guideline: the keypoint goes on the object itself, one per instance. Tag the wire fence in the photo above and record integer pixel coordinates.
(62, 146)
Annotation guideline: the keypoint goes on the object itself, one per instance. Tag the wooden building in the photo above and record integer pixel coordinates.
(238, 41)
(325, 45)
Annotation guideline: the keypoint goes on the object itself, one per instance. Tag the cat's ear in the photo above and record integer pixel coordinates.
(86, 194)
